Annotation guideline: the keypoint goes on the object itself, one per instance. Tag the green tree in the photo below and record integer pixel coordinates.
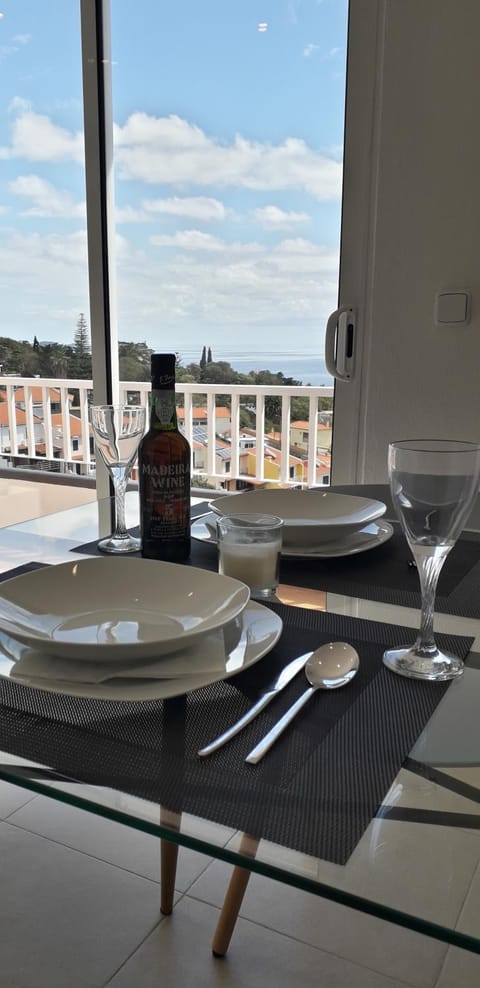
(299, 409)
(203, 358)
(134, 361)
(218, 372)
(18, 357)
(81, 360)
(54, 360)
(209, 355)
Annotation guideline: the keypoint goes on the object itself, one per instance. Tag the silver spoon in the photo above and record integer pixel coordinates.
(332, 665)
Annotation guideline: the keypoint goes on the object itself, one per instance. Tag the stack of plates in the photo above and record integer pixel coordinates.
(317, 523)
(116, 628)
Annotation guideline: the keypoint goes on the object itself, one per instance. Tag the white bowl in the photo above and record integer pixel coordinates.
(111, 608)
(310, 517)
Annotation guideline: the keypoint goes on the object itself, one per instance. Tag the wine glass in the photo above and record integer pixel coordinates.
(117, 430)
(434, 484)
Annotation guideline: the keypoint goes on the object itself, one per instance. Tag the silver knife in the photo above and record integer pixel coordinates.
(282, 680)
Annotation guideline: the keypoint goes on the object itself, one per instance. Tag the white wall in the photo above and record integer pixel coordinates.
(413, 378)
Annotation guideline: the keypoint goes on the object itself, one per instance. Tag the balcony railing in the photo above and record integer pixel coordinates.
(45, 423)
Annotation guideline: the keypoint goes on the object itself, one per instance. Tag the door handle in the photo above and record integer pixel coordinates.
(340, 343)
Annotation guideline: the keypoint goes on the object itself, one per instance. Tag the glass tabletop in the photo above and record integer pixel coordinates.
(416, 863)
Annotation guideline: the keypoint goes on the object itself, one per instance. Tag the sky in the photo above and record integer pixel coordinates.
(228, 135)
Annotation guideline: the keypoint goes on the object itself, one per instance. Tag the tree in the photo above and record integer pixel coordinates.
(81, 362)
(218, 372)
(80, 341)
(209, 355)
(18, 357)
(134, 361)
(54, 360)
(203, 358)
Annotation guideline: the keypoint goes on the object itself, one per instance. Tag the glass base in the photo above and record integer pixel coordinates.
(119, 544)
(437, 667)
(269, 593)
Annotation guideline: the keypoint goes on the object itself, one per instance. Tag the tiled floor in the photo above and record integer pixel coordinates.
(79, 907)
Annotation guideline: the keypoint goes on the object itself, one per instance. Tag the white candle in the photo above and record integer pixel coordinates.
(256, 564)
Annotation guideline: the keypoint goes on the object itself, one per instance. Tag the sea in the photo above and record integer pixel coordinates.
(308, 368)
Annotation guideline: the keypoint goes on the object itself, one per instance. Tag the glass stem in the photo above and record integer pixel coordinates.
(120, 487)
(429, 568)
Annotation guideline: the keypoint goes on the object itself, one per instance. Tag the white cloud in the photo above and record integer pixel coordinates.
(273, 218)
(196, 240)
(50, 262)
(128, 214)
(12, 48)
(289, 290)
(45, 199)
(192, 207)
(310, 50)
(19, 105)
(6, 51)
(36, 138)
(170, 150)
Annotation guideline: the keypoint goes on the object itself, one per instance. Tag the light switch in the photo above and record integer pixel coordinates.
(452, 308)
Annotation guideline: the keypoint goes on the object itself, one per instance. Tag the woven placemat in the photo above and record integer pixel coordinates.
(91, 548)
(316, 790)
(381, 574)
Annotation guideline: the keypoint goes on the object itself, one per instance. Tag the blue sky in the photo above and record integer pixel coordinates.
(228, 146)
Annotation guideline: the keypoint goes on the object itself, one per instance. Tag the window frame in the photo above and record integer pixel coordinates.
(99, 182)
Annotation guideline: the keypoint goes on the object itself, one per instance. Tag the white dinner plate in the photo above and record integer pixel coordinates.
(310, 517)
(260, 629)
(107, 607)
(203, 529)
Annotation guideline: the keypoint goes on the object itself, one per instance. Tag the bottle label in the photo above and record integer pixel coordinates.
(165, 500)
(163, 405)
(166, 476)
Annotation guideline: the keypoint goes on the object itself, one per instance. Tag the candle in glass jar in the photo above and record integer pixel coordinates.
(255, 564)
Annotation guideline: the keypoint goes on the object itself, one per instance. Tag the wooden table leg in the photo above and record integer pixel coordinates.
(168, 861)
(233, 899)
(174, 727)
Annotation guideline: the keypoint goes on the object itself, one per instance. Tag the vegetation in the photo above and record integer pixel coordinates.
(56, 360)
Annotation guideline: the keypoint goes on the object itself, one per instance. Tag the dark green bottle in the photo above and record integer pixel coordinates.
(164, 472)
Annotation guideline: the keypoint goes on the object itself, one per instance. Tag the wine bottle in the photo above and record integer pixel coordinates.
(164, 472)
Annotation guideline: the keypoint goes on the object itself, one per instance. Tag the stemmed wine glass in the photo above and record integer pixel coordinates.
(434, 484)
(117, 430)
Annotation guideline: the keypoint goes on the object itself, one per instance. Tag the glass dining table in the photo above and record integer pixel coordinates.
(371, 800)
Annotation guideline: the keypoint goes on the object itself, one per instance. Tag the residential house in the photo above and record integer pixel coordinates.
(299, 432)
(223, 420)
(37, 399)
(223, 454)
(75, 452)
(271, 461)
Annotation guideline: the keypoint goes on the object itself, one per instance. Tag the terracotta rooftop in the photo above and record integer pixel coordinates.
(221, 412)
(306, 425)
(37, 394)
